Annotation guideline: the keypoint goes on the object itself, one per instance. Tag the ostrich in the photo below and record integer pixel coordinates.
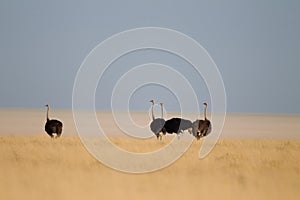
(53, 127)
(156, 125)
(201, 127)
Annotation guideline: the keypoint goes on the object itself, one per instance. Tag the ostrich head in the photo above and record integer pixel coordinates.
(161, 104)
(205, 103)
(152, 101)
(46, 105)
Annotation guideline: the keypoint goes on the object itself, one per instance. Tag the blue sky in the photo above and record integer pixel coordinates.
(255, 45)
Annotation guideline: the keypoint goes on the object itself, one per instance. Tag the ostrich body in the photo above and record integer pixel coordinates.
(177, 125)
(156, 125)
(53, 127)
(201, 127)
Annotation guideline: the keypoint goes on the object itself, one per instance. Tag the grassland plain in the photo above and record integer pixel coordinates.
(257, 157)
(36, 167)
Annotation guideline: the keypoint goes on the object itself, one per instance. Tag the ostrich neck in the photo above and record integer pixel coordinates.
(153, 118)
(205, 113)
(162, 112)
(47, 115)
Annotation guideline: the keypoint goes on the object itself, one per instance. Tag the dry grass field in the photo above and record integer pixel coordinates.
(33, 166)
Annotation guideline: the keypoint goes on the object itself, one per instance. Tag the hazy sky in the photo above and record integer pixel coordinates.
(255, 45)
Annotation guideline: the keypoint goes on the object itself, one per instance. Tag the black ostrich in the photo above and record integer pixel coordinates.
(177, 125)
(156, 125)
(201, 127)
(53, 127)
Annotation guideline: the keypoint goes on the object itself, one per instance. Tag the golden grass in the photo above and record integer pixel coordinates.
(37, 167)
